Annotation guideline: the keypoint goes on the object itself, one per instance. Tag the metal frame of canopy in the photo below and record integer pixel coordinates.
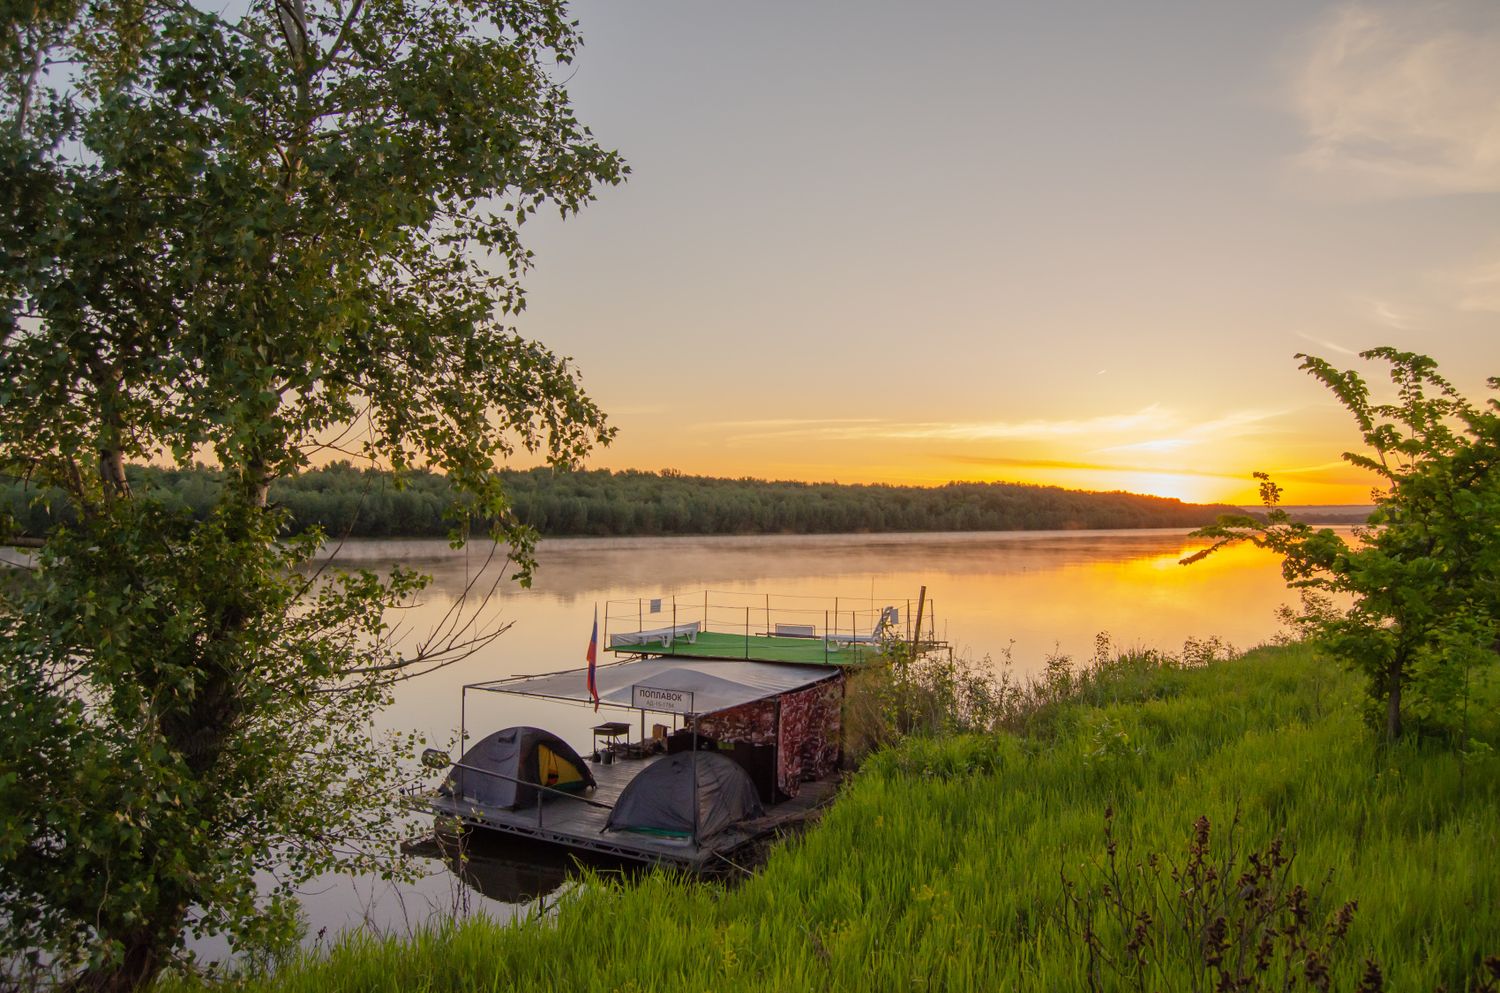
(713, 686)
(805, 676)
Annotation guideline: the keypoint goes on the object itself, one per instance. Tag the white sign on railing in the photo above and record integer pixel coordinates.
(665, 701)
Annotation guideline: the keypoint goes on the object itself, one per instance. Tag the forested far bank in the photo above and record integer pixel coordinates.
(345, 500)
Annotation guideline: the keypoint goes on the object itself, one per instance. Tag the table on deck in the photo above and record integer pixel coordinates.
(609, 731)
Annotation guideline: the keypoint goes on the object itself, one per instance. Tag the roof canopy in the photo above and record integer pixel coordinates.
(714, 685)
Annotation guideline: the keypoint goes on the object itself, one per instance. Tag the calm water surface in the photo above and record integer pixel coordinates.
(1035, 593)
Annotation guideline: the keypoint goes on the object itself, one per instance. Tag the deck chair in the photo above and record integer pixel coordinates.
(889, 617)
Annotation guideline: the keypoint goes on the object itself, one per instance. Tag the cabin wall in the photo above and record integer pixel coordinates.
(804, 725)
(751, 729)
(810, 732)
(754, 723)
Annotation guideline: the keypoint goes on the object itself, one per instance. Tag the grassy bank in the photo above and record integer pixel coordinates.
(941, 866)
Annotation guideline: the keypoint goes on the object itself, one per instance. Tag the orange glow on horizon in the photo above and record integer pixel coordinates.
(1188, 486)
(1196, 453)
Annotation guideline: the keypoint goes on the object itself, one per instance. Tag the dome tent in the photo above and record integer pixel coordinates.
(522, 758)
(661, 799)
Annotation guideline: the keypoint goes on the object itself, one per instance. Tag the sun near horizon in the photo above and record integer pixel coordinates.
(1154, 450)
(1188, 486)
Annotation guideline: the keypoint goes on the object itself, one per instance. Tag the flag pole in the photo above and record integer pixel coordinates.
(593, 660)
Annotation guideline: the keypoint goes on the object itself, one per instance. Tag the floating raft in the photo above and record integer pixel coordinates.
(565, 821)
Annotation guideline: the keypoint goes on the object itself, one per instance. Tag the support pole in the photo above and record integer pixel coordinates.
(917, 639)
(693, 717)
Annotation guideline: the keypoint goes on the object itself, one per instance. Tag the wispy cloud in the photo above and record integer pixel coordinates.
(1329, 346)
(1403, 100)
(1384, 313)
(1478, 288)
(1002, 462)
(1166, 429)
(1338, 473)
(863, 429)
(1037, 429)
(786, 423)
(1156, 446)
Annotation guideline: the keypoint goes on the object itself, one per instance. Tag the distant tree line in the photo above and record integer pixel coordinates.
(345, 500)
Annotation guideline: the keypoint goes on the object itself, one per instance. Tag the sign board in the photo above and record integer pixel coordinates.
(665, 701)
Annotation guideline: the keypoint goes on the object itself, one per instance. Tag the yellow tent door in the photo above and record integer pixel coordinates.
(556, 771)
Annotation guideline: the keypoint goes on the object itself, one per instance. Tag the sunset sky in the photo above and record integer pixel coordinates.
(1064, 243)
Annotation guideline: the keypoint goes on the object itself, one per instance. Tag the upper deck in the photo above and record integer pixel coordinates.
(764, 627)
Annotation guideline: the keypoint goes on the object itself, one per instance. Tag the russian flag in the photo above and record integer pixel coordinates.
(593, 657)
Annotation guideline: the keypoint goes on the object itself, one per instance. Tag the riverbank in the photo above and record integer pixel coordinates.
(943, 864)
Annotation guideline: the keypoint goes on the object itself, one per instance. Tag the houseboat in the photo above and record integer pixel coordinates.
(732, 728)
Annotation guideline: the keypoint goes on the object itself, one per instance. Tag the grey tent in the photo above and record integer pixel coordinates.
(521, 758)
(660, 800)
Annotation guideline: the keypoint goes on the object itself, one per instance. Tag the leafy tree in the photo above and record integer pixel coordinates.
(247, 237)
(1422, 578)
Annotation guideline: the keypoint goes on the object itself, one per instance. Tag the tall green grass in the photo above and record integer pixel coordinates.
(940, 867)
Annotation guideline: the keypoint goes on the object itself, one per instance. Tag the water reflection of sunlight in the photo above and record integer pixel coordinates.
(1231, 558)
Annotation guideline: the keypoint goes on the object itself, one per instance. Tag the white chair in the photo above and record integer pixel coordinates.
(889, 617)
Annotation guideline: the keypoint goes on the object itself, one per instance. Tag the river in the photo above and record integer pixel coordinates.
(1017, 595)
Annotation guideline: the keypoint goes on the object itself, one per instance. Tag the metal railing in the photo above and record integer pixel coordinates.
(526, 782)
(834, 620)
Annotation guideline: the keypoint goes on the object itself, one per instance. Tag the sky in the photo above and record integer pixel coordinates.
(1066, 243)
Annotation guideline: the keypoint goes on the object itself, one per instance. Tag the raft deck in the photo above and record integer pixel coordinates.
(565, 821)
(755, 648)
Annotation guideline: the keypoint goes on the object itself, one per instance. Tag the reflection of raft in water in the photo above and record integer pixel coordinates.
(759, 753)
(509, 869)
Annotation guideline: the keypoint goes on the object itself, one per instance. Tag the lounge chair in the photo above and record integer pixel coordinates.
(888, 618)
(665, 635)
